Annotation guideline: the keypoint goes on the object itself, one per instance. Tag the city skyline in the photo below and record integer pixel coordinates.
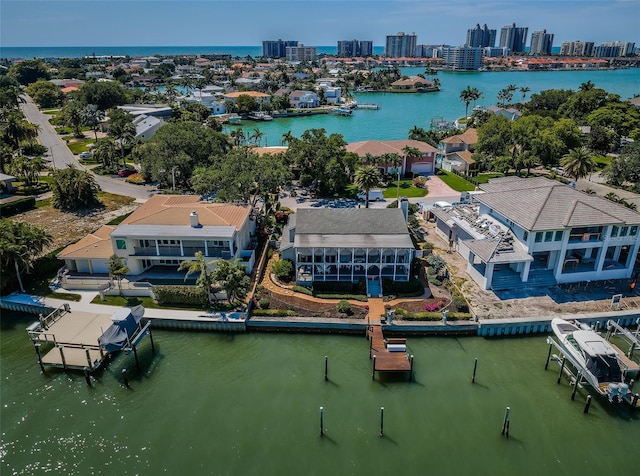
(207, 23)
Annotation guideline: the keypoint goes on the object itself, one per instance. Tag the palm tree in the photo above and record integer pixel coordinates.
(105, 152)
(257, 136)
(366, 178)
(396, 161)
(15, 128)
(123, 132)
(72, 113)
(205, 276)
(588, 86)
(238, 137)
(117, 269)
(417, 133)
(92, 116)
(524, 90)
(578, 163)
(171, 94)
(286, 138)
(466, 96)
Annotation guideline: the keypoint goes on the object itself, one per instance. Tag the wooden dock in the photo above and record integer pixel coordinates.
(389, 355)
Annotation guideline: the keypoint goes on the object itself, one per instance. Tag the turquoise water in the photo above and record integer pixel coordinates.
(249, 404)
(398, 113)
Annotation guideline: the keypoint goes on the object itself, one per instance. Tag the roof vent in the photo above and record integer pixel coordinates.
(193, 218)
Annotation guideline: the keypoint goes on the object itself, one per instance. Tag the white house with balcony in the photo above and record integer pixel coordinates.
(164, 232)
(348, 245)
(528, 232)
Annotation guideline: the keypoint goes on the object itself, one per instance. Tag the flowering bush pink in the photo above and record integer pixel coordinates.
(432, 307)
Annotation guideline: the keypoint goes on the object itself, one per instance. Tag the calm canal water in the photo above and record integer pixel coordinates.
(247, 404)
(400, 112)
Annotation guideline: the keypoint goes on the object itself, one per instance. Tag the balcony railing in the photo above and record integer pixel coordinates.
(584, 237)
(164, 250)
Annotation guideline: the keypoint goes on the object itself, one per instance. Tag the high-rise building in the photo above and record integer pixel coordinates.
(614, 49)
(514, 38)
(541, 43)
(277, 48)
(351, 48)
(401, 45)
(480, 37)
(463, 57)
(577, 48)
(301, 53)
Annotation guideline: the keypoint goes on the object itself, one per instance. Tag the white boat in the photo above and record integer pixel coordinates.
(341, 111)
(598, 361)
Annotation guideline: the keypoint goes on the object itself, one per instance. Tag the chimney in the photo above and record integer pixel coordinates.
(193, 218)
(404, 206)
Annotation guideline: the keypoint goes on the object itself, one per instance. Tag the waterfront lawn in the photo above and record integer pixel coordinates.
(455, 182)
(131, 301)
(407, 189)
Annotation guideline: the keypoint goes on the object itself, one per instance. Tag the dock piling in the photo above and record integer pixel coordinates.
(575, 386)
(125, 380)
(634, 402)
(561, 369)
(153, 347)
(546, 366)
(36, 345)
(88, 354)
(411, 371)
(135, 354)
(321, 421)
(64, 361)
(326, 367)
(373, 370)
(505, 423)
(87, 376)
(381, 421)
(475, 367)
(587, 404)
(631, 384)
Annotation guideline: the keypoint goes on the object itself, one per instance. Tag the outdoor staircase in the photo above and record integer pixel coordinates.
(510, 281)
(374, 288)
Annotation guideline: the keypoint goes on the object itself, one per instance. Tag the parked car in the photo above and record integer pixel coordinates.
(126, 172)
(86, 155)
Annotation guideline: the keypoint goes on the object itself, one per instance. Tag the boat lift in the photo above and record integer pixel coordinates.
(576, 375)
(614, 329)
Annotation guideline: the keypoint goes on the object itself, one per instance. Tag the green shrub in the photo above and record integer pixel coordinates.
(430, 316)
(436, 262)
(303, 290)
(264, 303)
(435, 281)
(402, 288)
(344, 307)
(273, 312)
(183, 295)
(283, 269)
(459, 302)
(355, 297)
(17, 205)
(427, 245)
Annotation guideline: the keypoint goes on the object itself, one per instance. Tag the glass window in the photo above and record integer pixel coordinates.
(121, 244)
(614, 231)
(633, 231)
(548, 236)
(538, 237)
(624, 230)
(558, 236)
(525, 236)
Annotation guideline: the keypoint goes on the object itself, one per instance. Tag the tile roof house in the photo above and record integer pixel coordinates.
(540, 232)
(348, 245)
(455, 152)
(423, 164)
(165, 231)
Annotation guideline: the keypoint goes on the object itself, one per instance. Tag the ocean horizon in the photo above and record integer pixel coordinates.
(44, 52)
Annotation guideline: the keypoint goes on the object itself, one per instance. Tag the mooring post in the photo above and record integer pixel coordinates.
(631, 349)
(631, 384)
(135, 354)
(64, 361)
(373, 370)
(87, 377)
(634, 402)
(326, 367)
(36, 345)
(87, 353)
(321, 421)
(411, 368)
(505, 423)
(587, 405)
(546, 366)
(153, 347)
(381, 421)
(124, 378)
(475, 367)
(575, 386)
(561, 369)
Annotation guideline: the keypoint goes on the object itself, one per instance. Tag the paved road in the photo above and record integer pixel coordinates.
(61, 156)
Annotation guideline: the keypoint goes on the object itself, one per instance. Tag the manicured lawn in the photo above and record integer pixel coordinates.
(455, 182)
(406, 190)
(80, 146)
(601, 161)
(484, 178)
(130, 301)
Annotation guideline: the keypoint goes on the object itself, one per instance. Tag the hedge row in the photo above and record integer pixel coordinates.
(17, 205)
(303, 290)
(430, 316)
(273, 312)
(412, 286)
(185, 295)
(355, 297)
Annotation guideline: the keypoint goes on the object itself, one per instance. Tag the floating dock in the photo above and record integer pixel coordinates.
(389, 355)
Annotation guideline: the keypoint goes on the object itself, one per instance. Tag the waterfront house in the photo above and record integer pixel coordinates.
(351, 245)
(528, 232)
(421, 164)
(303, 99)
(258, 96)
(165, 231)
(455, 152)
(413, 83)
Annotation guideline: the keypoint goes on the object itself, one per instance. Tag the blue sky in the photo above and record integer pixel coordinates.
(314, 23)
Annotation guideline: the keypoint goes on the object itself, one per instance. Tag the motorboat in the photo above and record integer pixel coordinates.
(596, 359)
